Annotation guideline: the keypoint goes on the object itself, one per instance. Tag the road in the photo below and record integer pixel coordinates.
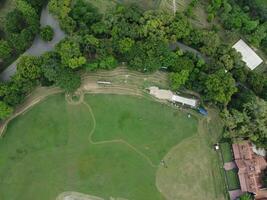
(39, 46)
(184, 47)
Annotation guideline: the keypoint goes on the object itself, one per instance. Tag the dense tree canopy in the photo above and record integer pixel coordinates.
(71, 56)
(220, 87)
(250, 123)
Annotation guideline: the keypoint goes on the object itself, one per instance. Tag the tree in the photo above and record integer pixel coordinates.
(5, 110)
(47, 33)
(84, 14)
(220, 87)
(246, 196)
(68, 80)
(256, 81)
(250, 123)
(180, 27)
(14, 22)
(90, 45)
(29, 67)
(178, 79)
(210, 43)
(182, 63)
(5, 49)
(125, 45)
(71, 56)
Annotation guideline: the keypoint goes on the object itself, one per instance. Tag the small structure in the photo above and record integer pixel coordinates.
(249, 166)
(185, 101)
(168, 95)
(202, 111)
(216, 146)
(248, 55)
(104, 82)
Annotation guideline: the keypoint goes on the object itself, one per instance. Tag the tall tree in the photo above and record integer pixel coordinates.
(220, 87)
(5, 110)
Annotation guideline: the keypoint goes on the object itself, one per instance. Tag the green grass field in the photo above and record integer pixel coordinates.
(226, 152)
(109, 145)
(232, 179)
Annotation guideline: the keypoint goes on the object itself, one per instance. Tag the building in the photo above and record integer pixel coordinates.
(249, 167)
(168, 95)
(248, 55)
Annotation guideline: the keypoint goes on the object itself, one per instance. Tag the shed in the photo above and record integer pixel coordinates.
(248, 55)
(184, 100)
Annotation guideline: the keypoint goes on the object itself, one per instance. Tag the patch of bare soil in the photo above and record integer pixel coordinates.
(81, 196)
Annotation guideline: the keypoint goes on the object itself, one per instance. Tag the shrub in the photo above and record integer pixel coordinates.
(47, 33)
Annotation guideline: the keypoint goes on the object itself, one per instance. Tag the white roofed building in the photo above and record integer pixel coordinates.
(248, 55)
(184, 101)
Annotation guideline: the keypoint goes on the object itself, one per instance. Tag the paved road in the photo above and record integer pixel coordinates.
(39, 46)
(184, 47)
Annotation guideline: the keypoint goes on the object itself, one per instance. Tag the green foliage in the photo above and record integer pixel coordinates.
(147, 55)
(68, 81)
(256, 82)
(84, 14)
(5, 110)
(61, 9)
(71, 56)
(259, 35)
(5, 49)
(211, 42)
(90, 45)
(125, 45)
(29, 68)
(180, 27)
(47, 33)
(108, 62)
(182, 63)
(220, 87)
(21, 25)
(249, 123)
(178, 79)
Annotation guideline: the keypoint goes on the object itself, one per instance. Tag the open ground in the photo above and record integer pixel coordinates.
(110, 146)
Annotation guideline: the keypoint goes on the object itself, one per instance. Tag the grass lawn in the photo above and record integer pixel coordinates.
(232, 179)
(193, 167)
(47, 150)
(226, 152)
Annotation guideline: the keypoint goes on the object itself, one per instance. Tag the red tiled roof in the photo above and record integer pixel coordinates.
(250, 166)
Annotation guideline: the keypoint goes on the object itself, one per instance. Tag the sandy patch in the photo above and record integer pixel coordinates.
(81, 196)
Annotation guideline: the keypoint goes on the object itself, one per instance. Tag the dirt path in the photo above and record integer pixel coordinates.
(174, 6)
(115, 140)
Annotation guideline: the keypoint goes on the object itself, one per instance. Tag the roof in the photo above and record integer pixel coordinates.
(183, 100)
(249, 166)
(248, 55)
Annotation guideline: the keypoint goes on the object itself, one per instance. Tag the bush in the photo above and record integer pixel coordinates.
(47, 33)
